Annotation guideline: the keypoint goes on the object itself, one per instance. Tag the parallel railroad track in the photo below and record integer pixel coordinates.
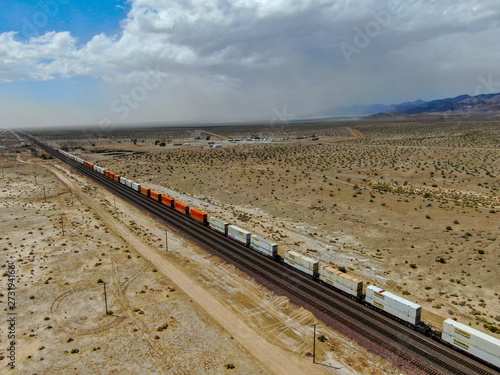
(419, 351)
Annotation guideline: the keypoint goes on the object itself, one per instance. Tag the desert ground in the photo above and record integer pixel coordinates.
(409, 206)
(181, 311)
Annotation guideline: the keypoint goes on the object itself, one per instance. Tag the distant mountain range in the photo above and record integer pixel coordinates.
(484, 104)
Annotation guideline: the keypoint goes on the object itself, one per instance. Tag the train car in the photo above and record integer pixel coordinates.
(129, 183)
(264, 246)
(155, 195)
(136, 186)
(145, 191)
(345, 283)
(402, 309)
(241, 235)
(181, 207)
(199, 215)
(116, 177)
(88, 165)
(472, 341)
(123, 181)
(301, 262)
(218, 224)
(167, 201)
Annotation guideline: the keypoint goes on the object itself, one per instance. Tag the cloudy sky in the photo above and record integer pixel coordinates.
(70, 62)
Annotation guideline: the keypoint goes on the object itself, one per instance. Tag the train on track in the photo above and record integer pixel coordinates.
(456, 335)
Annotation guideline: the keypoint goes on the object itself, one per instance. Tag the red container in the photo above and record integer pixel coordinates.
(182, 208)
(111, 175)
(199, 215)
(167, 201)
(145, 191)
(155, 195)
(90, 165)
(116, 177)
(106, 173)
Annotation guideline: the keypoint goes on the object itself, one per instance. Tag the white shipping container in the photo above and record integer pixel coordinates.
(264, 246)
(341, 280)
(123, 180)
(471, 337)
(218, 224)
(238, 234)
(462, 344)
(395, 305)
(302, 262)
(129, 183)
(136, 186)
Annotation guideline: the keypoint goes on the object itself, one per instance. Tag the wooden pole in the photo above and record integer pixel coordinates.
(314, 343)
(105, 298)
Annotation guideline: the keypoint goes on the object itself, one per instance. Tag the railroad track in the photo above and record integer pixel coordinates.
(418, 351)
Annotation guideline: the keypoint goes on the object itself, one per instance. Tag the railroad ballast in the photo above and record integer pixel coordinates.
(456, 335)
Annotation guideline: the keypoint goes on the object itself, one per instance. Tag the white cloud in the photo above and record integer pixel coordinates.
(225, 56)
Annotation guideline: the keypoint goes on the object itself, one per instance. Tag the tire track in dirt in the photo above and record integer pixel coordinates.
(272, 358)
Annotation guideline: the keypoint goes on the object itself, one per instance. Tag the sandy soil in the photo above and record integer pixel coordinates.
(211, 316)
(413, 211)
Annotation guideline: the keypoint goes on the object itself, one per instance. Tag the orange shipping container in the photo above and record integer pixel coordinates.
(182, 208)
(155, 195)
(199, 215)
(167, 201)
(116, 177)
(111, 175)
(145, 191)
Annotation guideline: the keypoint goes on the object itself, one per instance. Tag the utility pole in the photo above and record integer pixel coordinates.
(44, 195)
(314, 343)
(105, 298)
(166, 241)
(34, 174)
(114, 200)
(62, 223)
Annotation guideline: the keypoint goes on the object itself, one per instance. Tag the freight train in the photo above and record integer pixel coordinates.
(456, 335)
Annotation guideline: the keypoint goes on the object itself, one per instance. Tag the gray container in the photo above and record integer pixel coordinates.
(264, 246)
(241, 235)
(399, 307)
(218, 224)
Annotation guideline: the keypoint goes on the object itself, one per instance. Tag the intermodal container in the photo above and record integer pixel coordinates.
(241, 235)
(301, 262)
(218, 224)
(399, 307)
(264, 246)
(136, 186)
(123, 180)
(167, 201)
(473, 341)
(341, 281)
(181, 207)
(145, 191)
(199, 215)
(155, 195)
(129, 183)
(116, 177)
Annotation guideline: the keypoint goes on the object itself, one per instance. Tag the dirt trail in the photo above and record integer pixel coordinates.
(273, 359)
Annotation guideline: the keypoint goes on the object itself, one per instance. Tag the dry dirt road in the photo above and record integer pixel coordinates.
(272, 358)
